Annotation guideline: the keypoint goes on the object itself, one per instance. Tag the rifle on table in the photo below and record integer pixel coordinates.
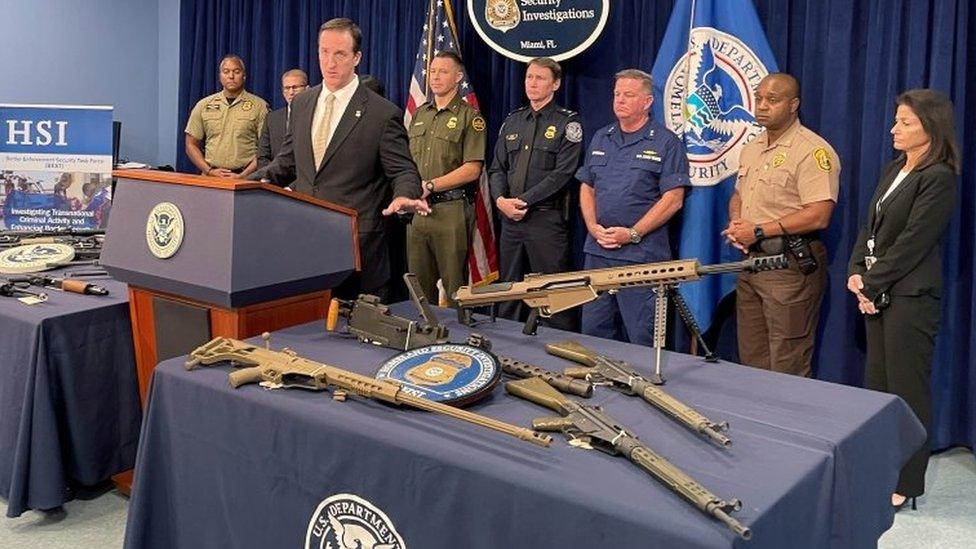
(73, 285)
(620, 376)
(372, 322)
(591, 427)
(548, 294)
(285, 369)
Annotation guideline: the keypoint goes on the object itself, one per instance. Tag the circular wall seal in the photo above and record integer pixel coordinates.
(709, 102)
(347, 521)
(524, 30)
(446, 372)
(164, 230)
(31, 258)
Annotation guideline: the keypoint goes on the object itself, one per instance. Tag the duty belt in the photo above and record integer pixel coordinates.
(775, 245)
(447, 196)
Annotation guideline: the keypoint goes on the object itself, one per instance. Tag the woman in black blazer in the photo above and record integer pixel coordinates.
(896, 267)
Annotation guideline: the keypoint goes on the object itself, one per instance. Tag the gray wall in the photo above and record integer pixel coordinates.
(123, 53)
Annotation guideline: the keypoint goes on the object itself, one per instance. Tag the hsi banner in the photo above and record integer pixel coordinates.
(711, 60)
(55, 166)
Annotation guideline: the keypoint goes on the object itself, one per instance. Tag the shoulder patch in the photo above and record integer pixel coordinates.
(478, 124)
(823, 159)
(574, 132)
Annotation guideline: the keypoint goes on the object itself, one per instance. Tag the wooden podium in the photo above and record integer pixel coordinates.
(253, 258)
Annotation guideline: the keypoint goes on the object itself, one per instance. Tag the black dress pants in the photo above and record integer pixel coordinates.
(537, 244)
(900, 343)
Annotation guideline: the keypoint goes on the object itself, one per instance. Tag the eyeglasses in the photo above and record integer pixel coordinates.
(294, 88)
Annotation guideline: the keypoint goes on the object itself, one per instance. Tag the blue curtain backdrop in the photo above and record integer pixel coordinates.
(852, 58)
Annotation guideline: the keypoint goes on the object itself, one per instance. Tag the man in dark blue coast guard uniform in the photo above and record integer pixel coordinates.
(633, 180)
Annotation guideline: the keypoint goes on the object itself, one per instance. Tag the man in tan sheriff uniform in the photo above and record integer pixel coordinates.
(229, 123)
(788, 184)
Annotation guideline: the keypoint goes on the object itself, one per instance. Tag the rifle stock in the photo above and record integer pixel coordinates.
(538, 391)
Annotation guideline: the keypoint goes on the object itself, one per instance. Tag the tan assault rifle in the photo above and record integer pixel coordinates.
(285, 369)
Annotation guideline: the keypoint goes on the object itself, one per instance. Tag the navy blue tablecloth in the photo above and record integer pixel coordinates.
(814, 463)
(69, 400)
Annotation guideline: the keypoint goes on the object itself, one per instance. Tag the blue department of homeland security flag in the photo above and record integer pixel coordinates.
(711, 60)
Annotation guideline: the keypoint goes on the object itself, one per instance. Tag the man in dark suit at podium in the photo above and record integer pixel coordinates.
(293, 82)
(347, 145)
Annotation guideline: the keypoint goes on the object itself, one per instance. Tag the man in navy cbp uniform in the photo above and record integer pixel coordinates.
(633, 181)
(536, 154)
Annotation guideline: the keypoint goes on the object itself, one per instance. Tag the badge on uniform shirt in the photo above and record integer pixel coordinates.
(478, 123)
(452, 122)
(551, 132)
(779, 159)
(823, 159)
(574, 132)
(246, 106)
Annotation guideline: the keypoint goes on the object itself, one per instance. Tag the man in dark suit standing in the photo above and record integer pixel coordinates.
(347, 145)
(293, 82)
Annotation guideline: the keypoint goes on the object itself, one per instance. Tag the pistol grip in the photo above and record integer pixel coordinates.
(245, 376)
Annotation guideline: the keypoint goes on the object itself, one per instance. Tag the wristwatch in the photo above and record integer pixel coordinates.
(759, 232)
(635, 237)
(429, 185)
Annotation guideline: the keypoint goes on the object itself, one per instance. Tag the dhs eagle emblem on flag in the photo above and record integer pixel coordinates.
(164, 230)
(709, 100)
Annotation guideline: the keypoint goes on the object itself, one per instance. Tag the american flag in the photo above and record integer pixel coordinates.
(440, 34)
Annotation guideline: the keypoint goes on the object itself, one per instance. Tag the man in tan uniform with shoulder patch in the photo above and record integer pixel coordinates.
(227, 124)
(788, 185)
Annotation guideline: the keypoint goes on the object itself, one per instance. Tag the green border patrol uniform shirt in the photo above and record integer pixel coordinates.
(442, 140)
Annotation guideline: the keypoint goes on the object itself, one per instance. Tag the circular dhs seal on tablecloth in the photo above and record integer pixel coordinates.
(347, 521)
(164, 230)
(526, 29)
(30, 258)
(444, 372)
(714, 112)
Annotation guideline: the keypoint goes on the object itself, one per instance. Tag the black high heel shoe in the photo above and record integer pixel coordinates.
(905, 502)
